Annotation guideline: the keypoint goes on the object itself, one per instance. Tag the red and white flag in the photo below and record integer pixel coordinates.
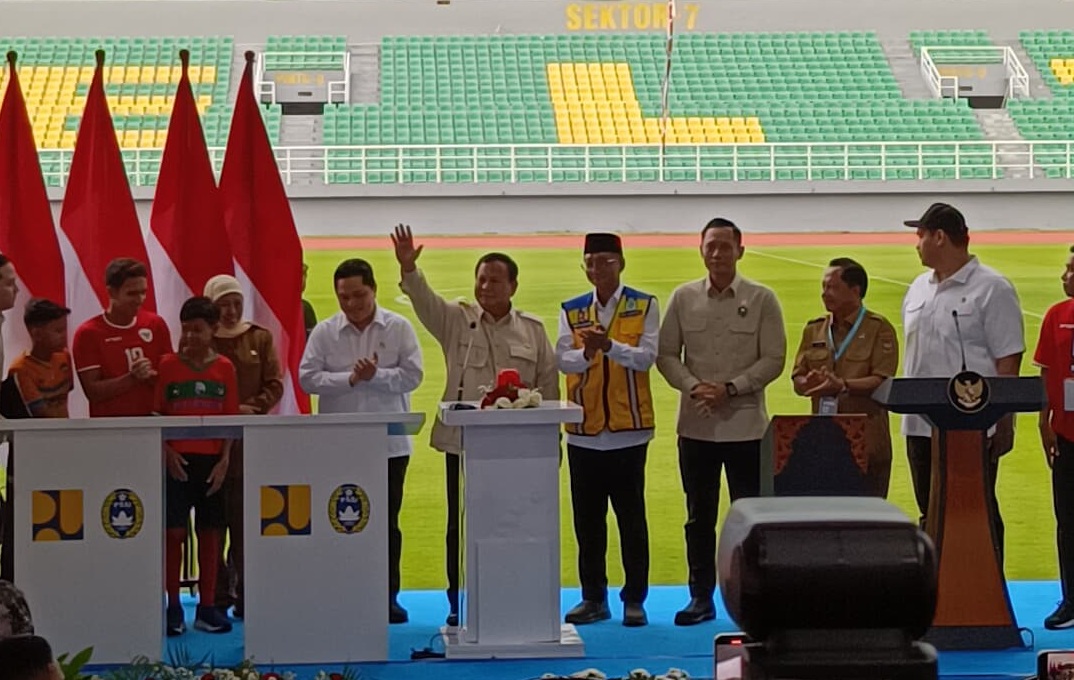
(98, 221)
(27, 232)
(187, 242)
(261, 229)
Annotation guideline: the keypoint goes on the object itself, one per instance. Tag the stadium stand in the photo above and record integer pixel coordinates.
(141, 74)
(956, 38)
(304, 53)
(1052, 52)
(576, 107)
(741, 89)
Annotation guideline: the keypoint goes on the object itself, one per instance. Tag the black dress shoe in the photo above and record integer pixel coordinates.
(634, 615)
(396, 614)
(588, 611)
(452, 620)
(700, 609)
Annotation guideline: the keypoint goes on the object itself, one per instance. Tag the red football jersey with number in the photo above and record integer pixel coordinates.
(1055, 352)
(114, 349)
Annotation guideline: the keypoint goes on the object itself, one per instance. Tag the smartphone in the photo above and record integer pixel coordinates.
(1055, 665)
(731, 655)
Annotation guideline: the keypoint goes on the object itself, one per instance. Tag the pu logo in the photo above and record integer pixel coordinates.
(285, 510)
(57, 515)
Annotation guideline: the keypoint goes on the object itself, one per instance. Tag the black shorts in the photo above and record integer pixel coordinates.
(180, 497)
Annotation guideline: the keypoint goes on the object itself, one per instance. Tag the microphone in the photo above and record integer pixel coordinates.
(458, 405)
(961, 344)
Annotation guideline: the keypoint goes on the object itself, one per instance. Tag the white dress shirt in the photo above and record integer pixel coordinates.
(333, 348)
(640, 358)
(989, 316)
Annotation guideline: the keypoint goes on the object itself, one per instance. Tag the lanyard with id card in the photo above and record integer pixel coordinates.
(829, 406)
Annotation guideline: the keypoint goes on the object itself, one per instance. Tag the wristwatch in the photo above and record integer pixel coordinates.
(732, 391)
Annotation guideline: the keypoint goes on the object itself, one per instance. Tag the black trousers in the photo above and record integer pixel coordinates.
(7, 518)
(598, 477)
(919, 454)
(452, 481)
(396, 479)
(1063, 502)
(700, 463)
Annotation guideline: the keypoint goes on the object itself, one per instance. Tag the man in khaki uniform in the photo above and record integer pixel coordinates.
(479, 340)
(844, 357)
(722, 342)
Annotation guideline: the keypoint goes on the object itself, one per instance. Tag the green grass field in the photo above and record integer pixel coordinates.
(550, 276)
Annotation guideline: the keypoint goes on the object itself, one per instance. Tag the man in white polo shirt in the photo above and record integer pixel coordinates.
(958, 294)
(366, 359)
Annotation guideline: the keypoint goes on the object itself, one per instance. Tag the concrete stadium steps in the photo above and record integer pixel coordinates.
(906, 68)
(365, 74)
(998, 124)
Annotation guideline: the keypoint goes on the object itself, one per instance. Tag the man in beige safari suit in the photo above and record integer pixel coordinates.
(478, 340)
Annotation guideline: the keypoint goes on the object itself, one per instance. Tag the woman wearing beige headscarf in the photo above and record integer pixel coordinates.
(250, 348)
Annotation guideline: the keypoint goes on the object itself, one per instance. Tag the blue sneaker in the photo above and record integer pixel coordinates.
(211, 620)
(176, 624)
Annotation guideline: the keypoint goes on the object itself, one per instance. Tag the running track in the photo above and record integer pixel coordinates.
(504, 241)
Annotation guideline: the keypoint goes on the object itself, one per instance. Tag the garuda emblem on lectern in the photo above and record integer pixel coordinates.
(968, 392)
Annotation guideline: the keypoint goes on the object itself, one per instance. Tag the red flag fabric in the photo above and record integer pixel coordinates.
(98, 216)
(187, 242)
(27, 232)
(261, 229)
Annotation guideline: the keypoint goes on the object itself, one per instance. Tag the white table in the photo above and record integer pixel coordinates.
(316, 589)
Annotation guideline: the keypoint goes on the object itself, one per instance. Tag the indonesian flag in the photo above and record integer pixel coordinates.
(98, 221)
(267, 250)
(187, 242)
(27, 233)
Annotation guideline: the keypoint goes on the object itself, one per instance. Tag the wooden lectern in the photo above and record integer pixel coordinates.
(973, 608)
(814, 456)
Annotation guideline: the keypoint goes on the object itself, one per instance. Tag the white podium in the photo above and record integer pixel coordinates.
(511, 581)
(89, 532)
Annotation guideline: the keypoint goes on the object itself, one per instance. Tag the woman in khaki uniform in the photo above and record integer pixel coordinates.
(843, 358)
(251, 349)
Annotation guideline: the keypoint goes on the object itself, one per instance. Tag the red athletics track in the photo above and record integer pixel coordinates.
(505, 241)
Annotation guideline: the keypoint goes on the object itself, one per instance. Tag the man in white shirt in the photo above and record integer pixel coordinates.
(606, 345)
(366, 359)
(958, 295)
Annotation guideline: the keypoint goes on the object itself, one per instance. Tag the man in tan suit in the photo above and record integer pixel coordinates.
(722, 342)
(478, 341)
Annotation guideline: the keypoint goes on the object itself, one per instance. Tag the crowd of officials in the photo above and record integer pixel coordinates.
(720, 342)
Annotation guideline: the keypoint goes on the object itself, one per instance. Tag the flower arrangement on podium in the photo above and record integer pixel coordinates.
(510, 392)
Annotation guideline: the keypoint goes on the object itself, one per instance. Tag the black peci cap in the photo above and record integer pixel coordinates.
(603, 243)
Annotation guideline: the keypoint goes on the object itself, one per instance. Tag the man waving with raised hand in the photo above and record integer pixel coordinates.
(479, 340)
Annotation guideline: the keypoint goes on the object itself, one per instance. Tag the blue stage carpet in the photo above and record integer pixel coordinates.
(616, 650)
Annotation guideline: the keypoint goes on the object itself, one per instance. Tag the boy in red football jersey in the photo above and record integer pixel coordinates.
(115, 353)
(196, 382)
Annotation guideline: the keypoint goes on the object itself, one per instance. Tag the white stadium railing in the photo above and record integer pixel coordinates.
(536, 163)
(947, 86)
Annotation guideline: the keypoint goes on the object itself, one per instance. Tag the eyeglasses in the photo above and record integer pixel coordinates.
(598, 263)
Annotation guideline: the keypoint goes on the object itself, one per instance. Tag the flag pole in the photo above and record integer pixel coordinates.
(665, 93)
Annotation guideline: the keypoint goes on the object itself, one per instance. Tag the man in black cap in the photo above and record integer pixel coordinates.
(989, 316)
(607, 343)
